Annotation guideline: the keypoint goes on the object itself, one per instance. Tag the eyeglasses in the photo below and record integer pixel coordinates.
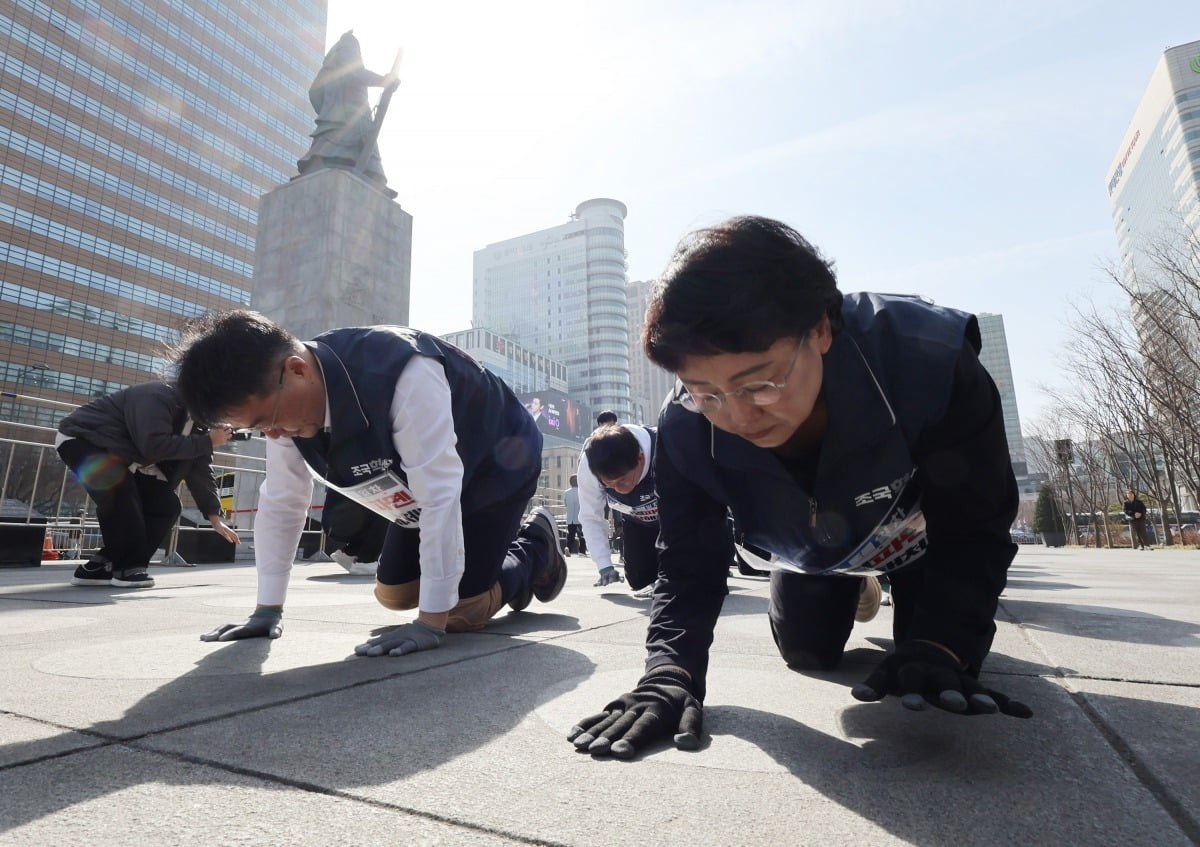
(278, 396)
(626, 480)
(761, 393)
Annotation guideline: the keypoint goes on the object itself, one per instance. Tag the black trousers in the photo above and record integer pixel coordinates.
(811, 616)
(639, 550)
(1141, 538)
(492, 550)
(135, 510)
(575, 537)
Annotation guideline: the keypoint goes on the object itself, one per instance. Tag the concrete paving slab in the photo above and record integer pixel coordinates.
(846, 771)
(127, 687)
(195, 742)
(23, 740)
(1077, 606)
(128, 796)
(1154, 727)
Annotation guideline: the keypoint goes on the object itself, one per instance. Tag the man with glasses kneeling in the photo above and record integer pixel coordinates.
(849, 436)
(404, 424)
(615, 470)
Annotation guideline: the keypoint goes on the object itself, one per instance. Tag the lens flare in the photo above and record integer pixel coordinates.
(100, 471)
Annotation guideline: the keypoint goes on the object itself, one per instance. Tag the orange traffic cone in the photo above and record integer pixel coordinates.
(49, 554)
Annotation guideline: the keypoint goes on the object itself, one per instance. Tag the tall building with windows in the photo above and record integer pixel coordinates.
(994, 358)
(648, 383)
(561, 293)
(135, 141)
(1154, 196)
(1154, 178)
(523, 370)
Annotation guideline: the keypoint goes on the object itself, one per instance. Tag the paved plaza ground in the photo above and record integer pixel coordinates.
(118, 726)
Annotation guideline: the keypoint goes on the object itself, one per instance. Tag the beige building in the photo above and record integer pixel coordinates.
(649, 384)
(558, 463)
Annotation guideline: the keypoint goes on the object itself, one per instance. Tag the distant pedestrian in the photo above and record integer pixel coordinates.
(1136, 510)
(608, 416)
(576, 543)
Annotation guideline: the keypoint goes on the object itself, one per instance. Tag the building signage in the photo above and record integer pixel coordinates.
(1196, 64)
(1120, 172)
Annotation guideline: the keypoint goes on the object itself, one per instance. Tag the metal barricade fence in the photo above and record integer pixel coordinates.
(36, 487)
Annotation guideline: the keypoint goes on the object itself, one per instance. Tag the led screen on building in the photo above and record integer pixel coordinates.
(557, 414)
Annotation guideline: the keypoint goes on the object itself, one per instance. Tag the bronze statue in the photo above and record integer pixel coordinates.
(346, 135)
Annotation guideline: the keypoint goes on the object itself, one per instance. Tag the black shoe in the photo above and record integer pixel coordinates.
(132, 578)
(93, 572)
(745, 570)
(549, 584)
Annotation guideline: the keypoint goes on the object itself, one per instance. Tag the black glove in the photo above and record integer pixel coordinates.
(661, 705)
(921, 673)
(264, 623)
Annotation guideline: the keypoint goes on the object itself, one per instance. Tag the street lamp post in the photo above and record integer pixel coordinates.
(1063, 449)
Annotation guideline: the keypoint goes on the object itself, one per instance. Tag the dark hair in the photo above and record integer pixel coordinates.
(611, 451)
(226, 358)
(574, 480)
(608, 416)
(738, 287)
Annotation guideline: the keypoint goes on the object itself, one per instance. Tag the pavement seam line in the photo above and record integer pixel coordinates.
(314, 788)
(107, 740)
(1170, 804)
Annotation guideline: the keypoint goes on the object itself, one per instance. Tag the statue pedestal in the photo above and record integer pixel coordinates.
(332, 251)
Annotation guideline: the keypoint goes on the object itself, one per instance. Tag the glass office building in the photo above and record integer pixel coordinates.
(1154, 178)
(560, 292)
(135, 140)
(1154, 194)
(994, 357)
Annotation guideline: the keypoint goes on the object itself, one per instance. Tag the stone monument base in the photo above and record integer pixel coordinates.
(332, 250)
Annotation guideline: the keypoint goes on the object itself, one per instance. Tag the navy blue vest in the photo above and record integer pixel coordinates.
(640, 504)
(498, 442)
(887, 374)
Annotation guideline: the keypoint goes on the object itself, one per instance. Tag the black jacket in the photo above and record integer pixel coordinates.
(1135, 507)
(913, 417)
(143, 424)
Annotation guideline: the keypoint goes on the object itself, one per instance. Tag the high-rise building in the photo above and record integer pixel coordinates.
(561, 292)
(523, 370)
(135, 141)
(1154, 197)
(1154, 179)
(994, 358)
(649, 384)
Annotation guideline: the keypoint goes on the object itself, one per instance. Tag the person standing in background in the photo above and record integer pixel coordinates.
(576, 543)
(1136, 510)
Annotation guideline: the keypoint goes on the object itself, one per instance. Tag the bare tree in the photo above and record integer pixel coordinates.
(1165, 307)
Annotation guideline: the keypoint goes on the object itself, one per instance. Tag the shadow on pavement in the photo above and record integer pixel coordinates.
(1105, 623)
(361, 748)
(1040, 585)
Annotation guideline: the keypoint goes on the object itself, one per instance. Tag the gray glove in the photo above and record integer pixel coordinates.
(921, 674)
(404, 639)
(263, 623)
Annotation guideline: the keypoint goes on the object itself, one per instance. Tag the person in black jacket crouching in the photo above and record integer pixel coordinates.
(849, 436)
(129, 450)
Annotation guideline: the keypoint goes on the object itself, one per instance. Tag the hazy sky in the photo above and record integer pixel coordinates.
(954, 149)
